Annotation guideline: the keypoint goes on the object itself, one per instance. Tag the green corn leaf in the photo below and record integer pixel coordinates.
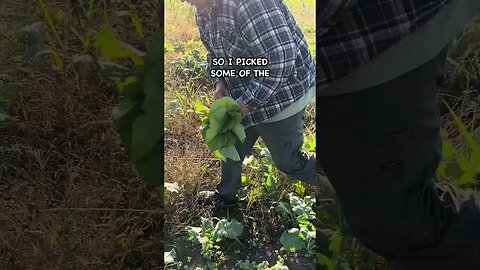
(111, 47)
(448, 150)
(464, 130)
(136, 23)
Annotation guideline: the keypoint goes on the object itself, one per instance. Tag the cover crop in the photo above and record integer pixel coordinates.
(222, 128)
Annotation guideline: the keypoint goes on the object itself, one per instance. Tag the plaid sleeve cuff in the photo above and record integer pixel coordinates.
(215, 80)
(249, 100)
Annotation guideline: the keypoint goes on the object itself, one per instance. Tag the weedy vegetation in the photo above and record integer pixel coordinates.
(79, 84)
(284, 224)
(273, 226)
(70, 197)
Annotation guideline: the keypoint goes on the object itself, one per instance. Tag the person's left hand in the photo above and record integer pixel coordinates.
(243, 106)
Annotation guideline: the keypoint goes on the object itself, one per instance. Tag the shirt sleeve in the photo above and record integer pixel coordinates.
(264, 27)
(210, 56)
(210, 51)
(330, 12)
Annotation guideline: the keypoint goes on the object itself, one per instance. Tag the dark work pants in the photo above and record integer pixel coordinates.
(284, 140)
(380, 148)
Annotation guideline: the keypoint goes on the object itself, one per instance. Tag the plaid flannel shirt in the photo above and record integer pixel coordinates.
(352, 32)
(259, 29)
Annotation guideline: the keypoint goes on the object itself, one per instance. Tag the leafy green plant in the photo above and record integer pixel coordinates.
(300, 212)
(333, 233)
(207, 235)
(191, 64)
(139, 118)
(248, 265)
(222, 128)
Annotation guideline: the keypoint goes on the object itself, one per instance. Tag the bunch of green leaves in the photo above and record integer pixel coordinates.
(222, 128)
(139, 118)
(300, 212)
(248, 265)
(207, 235)
(296, 239)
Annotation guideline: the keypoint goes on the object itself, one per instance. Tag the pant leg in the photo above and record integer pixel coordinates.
(231, 171)
(284, 140)
(380, 148)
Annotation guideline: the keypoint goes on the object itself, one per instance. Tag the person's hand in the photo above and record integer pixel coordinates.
(243, 106)
(221, 90)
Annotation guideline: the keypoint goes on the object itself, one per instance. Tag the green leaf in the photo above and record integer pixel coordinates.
(336, 243)
(153, 103)
(448, 150)
(229, 229)
(215, 125)
(229, 152)
(291, 240)
(123, 118)
(113, 70)
(324, 260)
(50, 23)
(149, 166)
(174, 105)
(91, 9)
(217, 143)
(195, 234)
(206, 224)
(231, 139)
(464, 130)
(282, 207)
(128, 81)
(136, 23)
(299, 187)
(271, 181)
(147, 130)
(199, 107)
(453, 169)
(239, 131)
(245, 180)
(111, 47)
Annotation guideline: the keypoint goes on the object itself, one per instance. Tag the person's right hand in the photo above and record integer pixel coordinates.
(221, 90)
